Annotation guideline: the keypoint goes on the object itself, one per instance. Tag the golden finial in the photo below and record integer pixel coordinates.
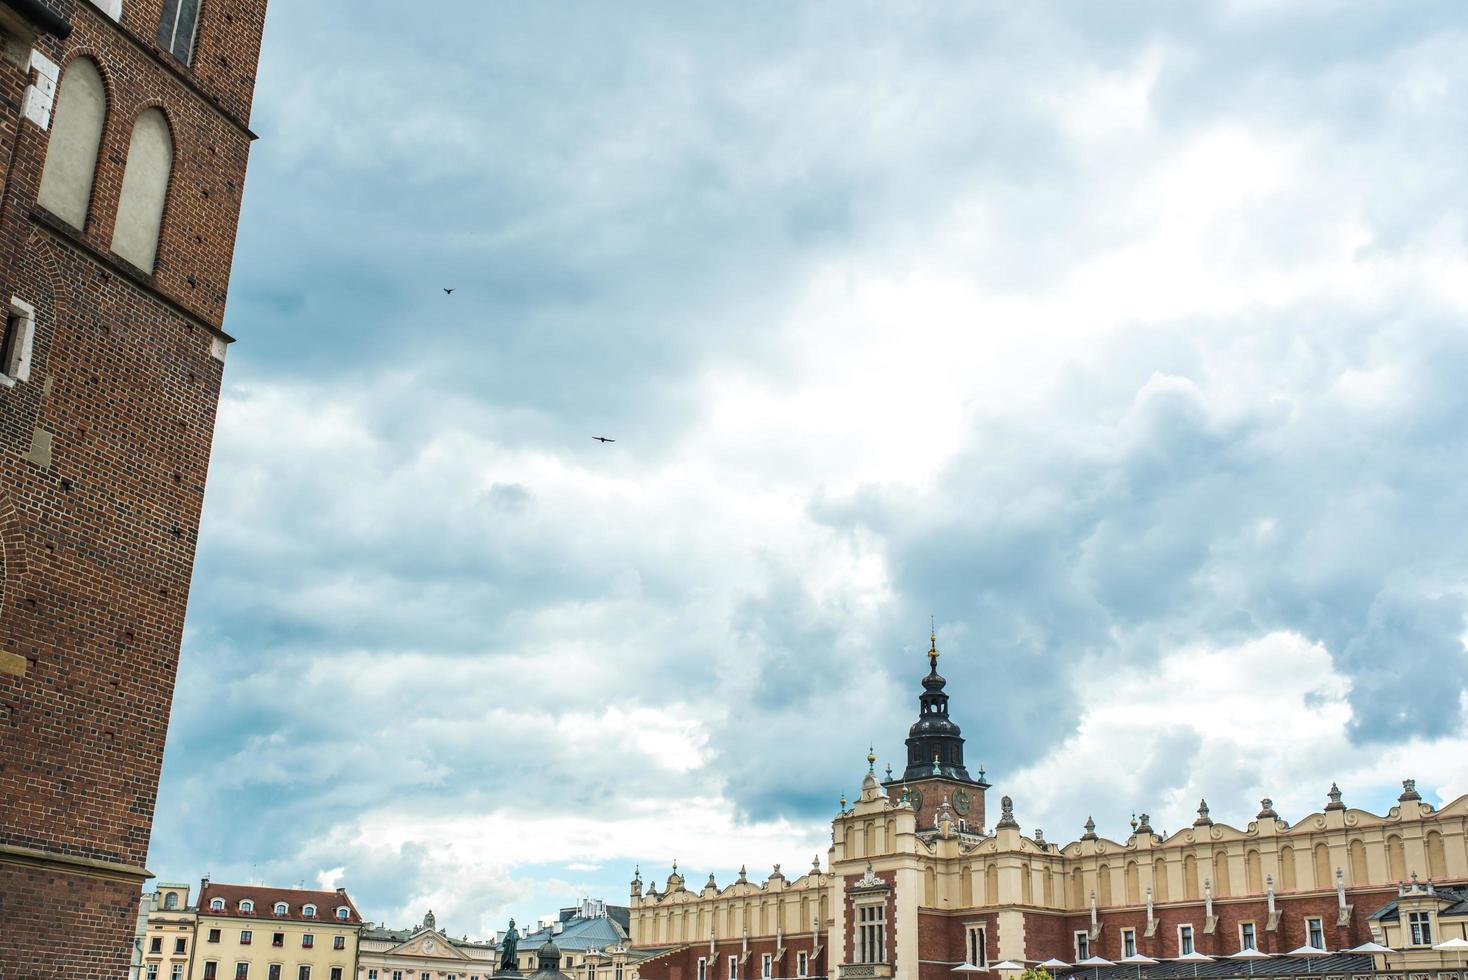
(871, 759)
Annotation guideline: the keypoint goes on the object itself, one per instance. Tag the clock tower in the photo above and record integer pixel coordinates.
(935, 771)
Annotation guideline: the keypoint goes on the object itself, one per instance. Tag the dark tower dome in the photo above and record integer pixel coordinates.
(934, 742)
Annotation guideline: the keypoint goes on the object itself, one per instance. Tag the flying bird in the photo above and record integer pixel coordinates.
(448, 292)
(603, 439)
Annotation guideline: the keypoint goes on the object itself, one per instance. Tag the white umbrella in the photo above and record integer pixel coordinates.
(1097, 961)
(1454, 945)
(1052, 964)
(1137, 960)
(1007, 965)
(1194, 958)
(969, 968)
(1251, 955)
(1307, 953)
(1373, 948)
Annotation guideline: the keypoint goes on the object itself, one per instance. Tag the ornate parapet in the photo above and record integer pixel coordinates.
(865, 971)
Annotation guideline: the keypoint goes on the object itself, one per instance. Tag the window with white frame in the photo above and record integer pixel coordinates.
(246, 937)
(617, 971)
(1248, 938)
(246, 905)
(1184, 940)
(1128, 943)
(371, 975)
(1083, 945)
(281, 908)
(211, 970)
(342, 912)
(767, 966)
(336, 974)
(180, 945)
(176, 28)
(309, 911)
(216, 905)
(1420, 924)
(1315, 932)
(871, 932)
(978, 946)
(733, 967)
(397, 975)
(272, 972)
(802, 964)
(303, 972)
(177, 972)
(242, 971)
(152, 971)
(703, 968)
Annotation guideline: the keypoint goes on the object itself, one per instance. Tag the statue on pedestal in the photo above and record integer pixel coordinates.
(509, 950)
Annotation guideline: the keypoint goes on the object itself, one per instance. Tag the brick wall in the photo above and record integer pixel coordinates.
(99, 531)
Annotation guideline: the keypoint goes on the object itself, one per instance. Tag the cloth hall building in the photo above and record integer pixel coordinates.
(917, 884)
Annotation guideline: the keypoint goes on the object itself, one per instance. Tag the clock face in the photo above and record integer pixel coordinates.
(961, 802)
(914, 799)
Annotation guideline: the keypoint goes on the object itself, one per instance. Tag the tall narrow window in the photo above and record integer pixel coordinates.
(1315, 930)
(766, 966)
(1128, 942)
(978, 947)
(211, 970)
(733, 967)
(176, 28)
(872, 932)
(1083, 945)
(273, 972)
(76, 133)
(1247, 937)
(703, 968)
(1421, 925)
(144, 191)
(1184, 940)
(242, 971)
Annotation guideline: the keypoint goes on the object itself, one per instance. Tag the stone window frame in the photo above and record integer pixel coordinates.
(877, 902)
(1081, 941)
(1254, 928)
(1128, 934)
(1192, 934)
(802, 963)
(1319, 921)
(976, 940)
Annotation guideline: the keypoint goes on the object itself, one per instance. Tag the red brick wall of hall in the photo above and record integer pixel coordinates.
(104, 452)
(1049, 935)
(682, 963)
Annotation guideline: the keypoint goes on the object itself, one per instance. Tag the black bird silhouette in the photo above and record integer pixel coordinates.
(449, 292)
(603, 439)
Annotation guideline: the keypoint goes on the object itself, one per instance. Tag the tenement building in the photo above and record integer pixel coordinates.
(254, 932)
(124, 135)
(424, 952)
(918, 885)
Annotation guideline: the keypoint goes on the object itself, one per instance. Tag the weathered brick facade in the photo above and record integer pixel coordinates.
(104, 451)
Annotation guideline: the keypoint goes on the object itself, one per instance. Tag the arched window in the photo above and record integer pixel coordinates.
(1103, 885)
(342, 912)
(170, 901)
(1133, 884)
(1159, 880)
(281, 908)
(308, 911)
(76, 133)
(246, 905)
(1356, 852)
(991, 884)
(144, 191)
(1287, 868)
(1190, 876)
(1396, 858)
(1222, 884)
(1253, 873)
(1437, 859)
(216, 905)
(176, 28)
(1322, 866)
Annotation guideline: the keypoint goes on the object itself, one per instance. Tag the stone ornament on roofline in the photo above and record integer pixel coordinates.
(1006, 814)
(1266, 810)
(1204, 820)
(1409, 791)
(1090, 833)
(1335, 798)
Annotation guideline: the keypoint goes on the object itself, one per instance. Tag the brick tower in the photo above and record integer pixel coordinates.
(124, 135)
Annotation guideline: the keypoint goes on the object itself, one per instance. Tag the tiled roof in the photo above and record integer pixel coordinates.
(1457, 899)
(265, 899)
(578, 935)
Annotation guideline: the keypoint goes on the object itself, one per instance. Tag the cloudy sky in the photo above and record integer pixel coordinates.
(1129, 341)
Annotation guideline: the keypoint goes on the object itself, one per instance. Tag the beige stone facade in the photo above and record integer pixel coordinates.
(423, 953)
(253, 932)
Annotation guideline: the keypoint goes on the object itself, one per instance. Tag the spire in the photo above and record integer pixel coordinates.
(934, 742)
(933, 645)
(871, 759)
